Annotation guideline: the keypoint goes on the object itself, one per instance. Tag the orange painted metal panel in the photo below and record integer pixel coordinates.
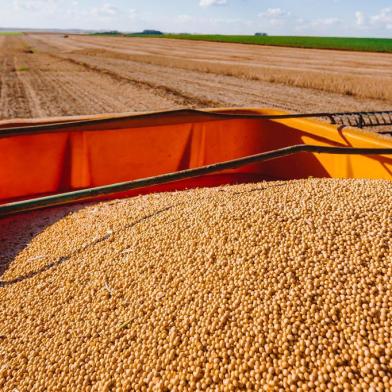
(79, 155)
(29, 165)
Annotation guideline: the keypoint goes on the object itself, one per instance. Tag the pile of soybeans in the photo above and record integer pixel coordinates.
(270, 286)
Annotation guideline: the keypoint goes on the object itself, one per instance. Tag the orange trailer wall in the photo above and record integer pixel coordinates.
(78, 157)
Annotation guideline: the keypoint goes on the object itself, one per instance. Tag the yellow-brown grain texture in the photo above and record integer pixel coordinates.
(269, 286)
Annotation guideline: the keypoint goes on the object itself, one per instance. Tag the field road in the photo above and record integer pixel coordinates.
(50, 75)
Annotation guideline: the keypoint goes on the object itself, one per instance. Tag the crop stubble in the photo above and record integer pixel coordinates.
(49, 75)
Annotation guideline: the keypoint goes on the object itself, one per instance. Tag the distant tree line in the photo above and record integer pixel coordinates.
(116, 33)
(151, 32)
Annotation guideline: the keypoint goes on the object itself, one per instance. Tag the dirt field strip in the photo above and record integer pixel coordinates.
(361, 74)
(230, 91)
(53, 87)
(128, 72)
(13, 97)
(49, 75)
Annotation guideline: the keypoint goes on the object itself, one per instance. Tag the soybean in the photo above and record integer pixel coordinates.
(267, 286)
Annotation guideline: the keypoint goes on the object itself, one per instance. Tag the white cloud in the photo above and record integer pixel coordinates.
(119, 15)
(184, 18)
(382, 21)
(319, 26)
(275, 16)
(274, 13)
(105, 10)
(132, 14)
(359, 18)
(383, 18)
(325, 22)
(36, 5)
(208, 3)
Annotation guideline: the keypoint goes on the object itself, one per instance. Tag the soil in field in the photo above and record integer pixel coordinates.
(50, 75)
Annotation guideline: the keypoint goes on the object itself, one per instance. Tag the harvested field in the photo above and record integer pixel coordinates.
(49, 75)
(269, 286)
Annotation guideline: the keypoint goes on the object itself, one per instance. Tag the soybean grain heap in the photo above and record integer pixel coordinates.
(281, 285)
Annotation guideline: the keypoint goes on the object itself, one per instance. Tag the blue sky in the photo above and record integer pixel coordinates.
(280, 17)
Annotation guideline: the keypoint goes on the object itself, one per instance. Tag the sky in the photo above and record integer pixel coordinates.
(361, 18)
